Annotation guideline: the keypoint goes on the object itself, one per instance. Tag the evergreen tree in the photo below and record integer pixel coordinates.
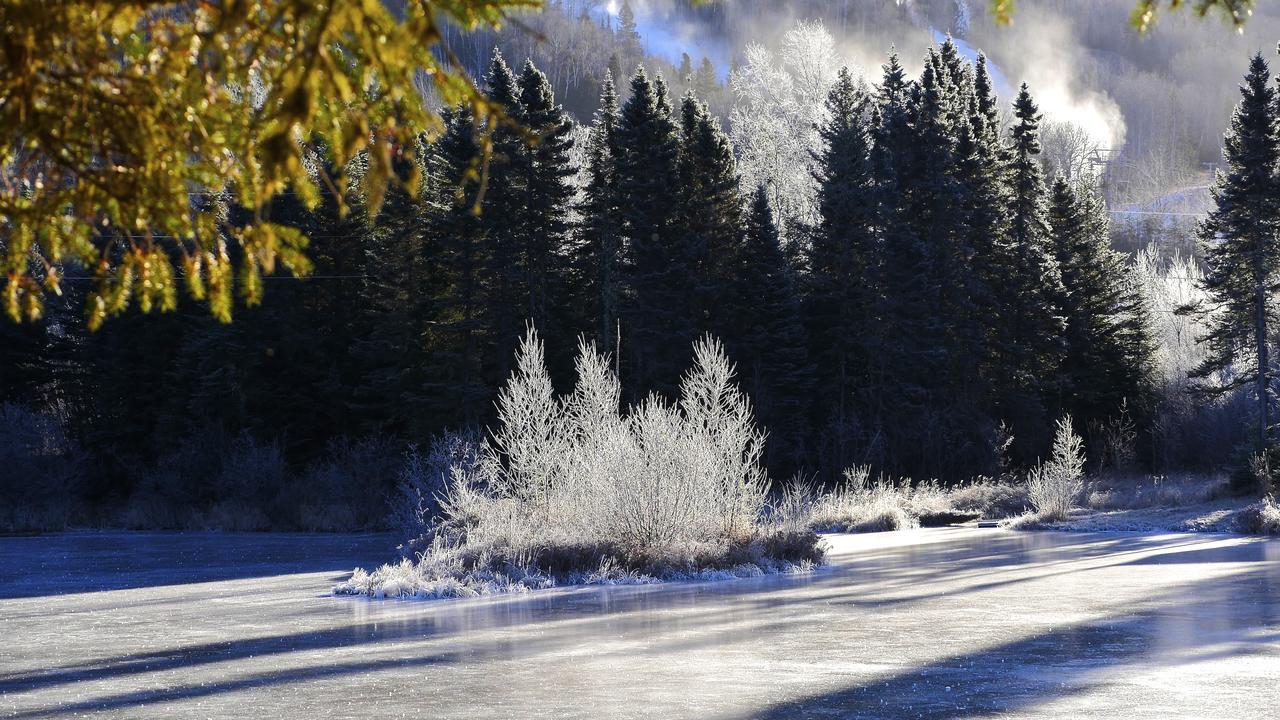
(599, 257)
(1031, 284)
(710, 220)
(627, 34)
(502, 207)
(935, 354)
(660, 263)
(685, 72)
(1242, 251)
(773, 355)
(1106, 368)
(983, 172)
(457, 384)
(843, 286)
(396, 300)
(705, 83)
(544, 223)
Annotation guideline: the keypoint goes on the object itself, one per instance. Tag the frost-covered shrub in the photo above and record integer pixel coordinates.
(662, 474)
(569, 485)
(1124, 492)
(40, 468)
(1187, 431)
(423, 481)
(170, 493)
(1260, 518)
(1054, 486)
(861, 505)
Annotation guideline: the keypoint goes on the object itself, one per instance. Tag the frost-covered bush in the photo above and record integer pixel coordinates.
(1126, 492)
(1260, 518)
(568, 485)
(1054, 486)
(251, 473)
(423, 480)
(860, 505)
(662, 474)
(40, 468)
(1187, 431)
(212, 481)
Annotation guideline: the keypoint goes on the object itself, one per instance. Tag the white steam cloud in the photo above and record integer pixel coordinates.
(1042, 51)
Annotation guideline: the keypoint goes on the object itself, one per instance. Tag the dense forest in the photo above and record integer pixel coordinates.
(901, 277)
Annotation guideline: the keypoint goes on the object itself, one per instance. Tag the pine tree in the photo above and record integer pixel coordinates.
(599, 259)
(503, 215)
(1031, 283)
(544, 223)
(773, 355)
(1106, 368)
(710, 219)
(457, 385)
(660, 264)
(1242, 250)
(843, 278)
(628, 36)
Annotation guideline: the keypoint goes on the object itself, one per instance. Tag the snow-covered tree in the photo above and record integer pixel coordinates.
(779, 104)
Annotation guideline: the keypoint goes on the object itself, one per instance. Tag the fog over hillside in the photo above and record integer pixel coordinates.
(1160, 100)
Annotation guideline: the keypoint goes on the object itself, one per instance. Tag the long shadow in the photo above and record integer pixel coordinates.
(78, 562)
(1064, 661)
(626, 610)
(1009, 677)
(187, 692)
(1005, 554)
(984, 681)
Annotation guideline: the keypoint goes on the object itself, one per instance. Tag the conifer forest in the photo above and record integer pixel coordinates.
(639, 358)
(912, 272)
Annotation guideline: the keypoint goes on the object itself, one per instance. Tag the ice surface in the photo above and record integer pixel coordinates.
(945, 623)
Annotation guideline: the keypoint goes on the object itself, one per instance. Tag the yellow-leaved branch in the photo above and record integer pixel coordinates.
(130, 129)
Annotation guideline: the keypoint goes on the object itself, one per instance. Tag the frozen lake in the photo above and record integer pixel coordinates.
(947, 623)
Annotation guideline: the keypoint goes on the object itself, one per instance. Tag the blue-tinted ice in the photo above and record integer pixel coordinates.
(935, 623)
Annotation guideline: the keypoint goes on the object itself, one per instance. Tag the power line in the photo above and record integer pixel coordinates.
(1158, 212)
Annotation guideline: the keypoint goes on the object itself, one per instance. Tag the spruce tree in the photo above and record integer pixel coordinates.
(660, 265)
(457, 385)
(627, 34)
(772, 352)
(546, 173)
(396, 297)
(1106, 368)
(983, 167)
(843, 276)
(710, 220)
(503, 215)
(1031, 284)
(1242, 251)
(935, 356)
(598, 261)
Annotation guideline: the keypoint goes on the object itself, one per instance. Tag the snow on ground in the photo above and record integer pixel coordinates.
(942, 623)
(1217, 516)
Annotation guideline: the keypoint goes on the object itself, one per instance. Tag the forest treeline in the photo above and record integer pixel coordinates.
(948, 306)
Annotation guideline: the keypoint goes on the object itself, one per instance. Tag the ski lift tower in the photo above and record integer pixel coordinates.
(1100, 161)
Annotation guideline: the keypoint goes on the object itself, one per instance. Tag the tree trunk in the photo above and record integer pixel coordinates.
(1260, 332)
